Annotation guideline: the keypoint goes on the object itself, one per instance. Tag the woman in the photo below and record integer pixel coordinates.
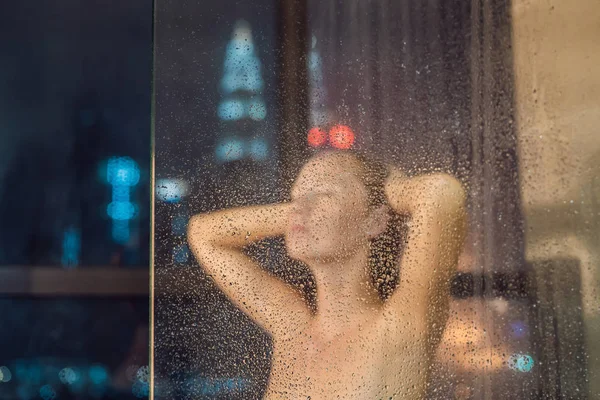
(357, 343)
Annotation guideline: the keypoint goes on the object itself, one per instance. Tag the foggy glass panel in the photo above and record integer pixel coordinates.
(374, 199)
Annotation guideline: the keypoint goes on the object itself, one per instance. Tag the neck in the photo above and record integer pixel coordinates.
(344, 288)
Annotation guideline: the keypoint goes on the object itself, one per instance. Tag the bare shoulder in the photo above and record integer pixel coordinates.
(437, 186)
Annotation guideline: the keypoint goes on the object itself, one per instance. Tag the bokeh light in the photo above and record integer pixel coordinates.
(98, 374)
(316, 137)
(141, 386)
(231, 110)
(71, 246)
(519, 329)
(140, 389)
(465, 343)
(230, 149)
(5, 374)
(181, 254)
(171, 190)
(214, 387)
(179, 225)
(143, 374)
(520, 362)
(122, 171)
(68, 376)
(121, 210)
(257, 110)
(258, 149)
(341, 137)
(47, 392)
(120, 231)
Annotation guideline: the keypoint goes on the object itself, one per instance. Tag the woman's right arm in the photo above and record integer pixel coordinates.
(217, 240)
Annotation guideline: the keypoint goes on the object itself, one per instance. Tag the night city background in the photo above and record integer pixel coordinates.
(232, 93)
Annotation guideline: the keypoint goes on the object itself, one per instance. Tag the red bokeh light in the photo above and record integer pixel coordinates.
(341, 137)
(316, 137)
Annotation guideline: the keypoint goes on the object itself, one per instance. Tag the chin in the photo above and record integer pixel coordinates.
(309, 254)
(301, 250)
(298, 251)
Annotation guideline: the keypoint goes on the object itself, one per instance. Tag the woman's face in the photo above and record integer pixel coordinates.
(329, 209)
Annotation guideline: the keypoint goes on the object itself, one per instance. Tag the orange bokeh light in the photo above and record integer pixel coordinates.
(316, 137)
(341, 137)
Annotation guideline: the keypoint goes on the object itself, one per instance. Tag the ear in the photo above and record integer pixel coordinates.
(377, 221)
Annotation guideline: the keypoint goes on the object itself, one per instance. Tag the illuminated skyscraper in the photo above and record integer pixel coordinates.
(242, 109)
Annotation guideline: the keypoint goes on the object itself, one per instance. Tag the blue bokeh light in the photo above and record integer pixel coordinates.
(231, 110)
(214, 386)
(179, 225)
(230, 148)
(71, 247)
(521, 362)
(259, 149)
(47, 392)
(519, 329)
(181, 254)
(122, 171)
(120, 231)
(171, 190)
(140, 389)
(5, 374)
(121, 210)
(257, 109)
(98, 374)
(68, 376)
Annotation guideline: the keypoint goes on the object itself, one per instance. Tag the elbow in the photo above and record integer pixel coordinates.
(196, 230)
(199, 240)
(456, 194)
(450, 194)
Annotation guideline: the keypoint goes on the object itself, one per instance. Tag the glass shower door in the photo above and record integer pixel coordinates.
(500, 99)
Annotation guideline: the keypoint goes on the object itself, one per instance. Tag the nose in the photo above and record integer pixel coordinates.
(300, 209)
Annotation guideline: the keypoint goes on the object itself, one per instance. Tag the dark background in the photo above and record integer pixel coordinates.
(75, 90)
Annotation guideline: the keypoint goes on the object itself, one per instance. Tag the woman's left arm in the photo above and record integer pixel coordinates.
(437, 228)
